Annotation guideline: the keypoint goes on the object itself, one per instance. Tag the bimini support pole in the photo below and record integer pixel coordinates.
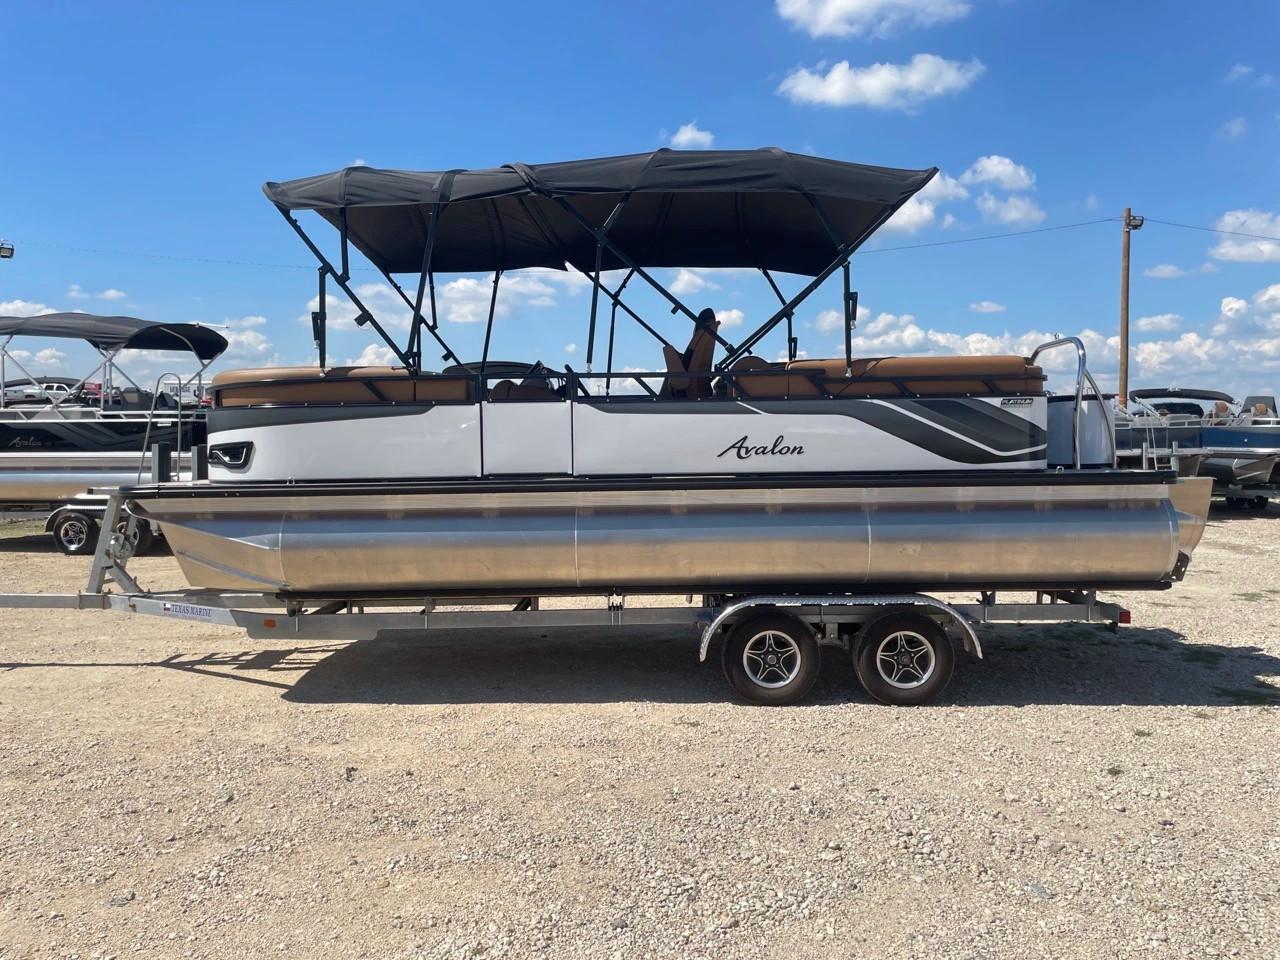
(843, 253)
(613, 326)
(792, 342)
(364, 316)
(850, 302)
(4, 352)
(595, 279)
(603, 241)
(619, 302)
(488, 328)
(426, 278)
(320, 318)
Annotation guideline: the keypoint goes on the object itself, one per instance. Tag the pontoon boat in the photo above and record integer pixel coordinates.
(722, 472)
(1236, 444)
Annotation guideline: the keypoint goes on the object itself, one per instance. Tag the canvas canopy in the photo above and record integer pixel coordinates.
(119, 333)
(1173, 393)
(715, 208)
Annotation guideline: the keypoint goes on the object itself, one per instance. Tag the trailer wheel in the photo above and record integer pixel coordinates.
(146, 536)
(75, 534)
(771, 659)
(904, 659)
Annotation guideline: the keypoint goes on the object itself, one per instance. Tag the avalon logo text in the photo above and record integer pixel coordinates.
(745, 449)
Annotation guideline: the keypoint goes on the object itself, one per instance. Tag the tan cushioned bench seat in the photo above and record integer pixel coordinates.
(242, 388)
(920, 376)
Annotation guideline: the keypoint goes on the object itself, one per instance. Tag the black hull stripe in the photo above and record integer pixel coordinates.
(784, 481)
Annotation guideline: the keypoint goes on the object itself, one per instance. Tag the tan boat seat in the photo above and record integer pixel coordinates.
(696, 358)
(890, 377)
(275, 385)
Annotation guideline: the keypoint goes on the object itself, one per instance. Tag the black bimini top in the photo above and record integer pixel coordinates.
(683, 208)
(1180, 393)
(118, 333)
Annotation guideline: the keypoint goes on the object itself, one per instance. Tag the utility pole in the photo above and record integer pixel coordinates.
(1131, 223)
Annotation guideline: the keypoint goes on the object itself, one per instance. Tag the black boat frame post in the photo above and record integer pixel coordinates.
(342, 278)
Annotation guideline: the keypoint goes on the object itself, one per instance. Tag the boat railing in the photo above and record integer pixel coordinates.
(161, 380)
(1083, 376)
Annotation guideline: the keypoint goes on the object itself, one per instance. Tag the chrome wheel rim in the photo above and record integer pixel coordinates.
(905, 659)
(771, 659)
(73, 534)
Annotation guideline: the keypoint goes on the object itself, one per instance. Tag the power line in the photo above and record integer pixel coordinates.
(1229, 233)
(910, 246)
(170, 256)
(993, 236)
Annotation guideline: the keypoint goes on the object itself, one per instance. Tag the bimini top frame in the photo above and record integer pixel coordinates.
(764, 209)
(109, 336)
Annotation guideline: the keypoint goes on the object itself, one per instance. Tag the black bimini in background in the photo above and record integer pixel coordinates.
(765, 209)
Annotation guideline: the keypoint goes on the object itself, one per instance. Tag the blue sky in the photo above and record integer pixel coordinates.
(136, 138)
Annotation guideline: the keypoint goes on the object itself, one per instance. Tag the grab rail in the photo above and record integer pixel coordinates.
(1082, 376)
(151, 418)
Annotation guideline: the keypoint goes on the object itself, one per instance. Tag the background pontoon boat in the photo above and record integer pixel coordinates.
(59, 436)
(727, 474)
(1236, 444)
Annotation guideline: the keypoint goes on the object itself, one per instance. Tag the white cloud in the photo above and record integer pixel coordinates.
(1000, 171)
(843, 18)
(830, 321)
(1190, 353)
(730, 318)
(461, 300)
(1246, 73)
(1091, 202)
(949, 221)
(244, 323)
(691, 281)
(247, 346)
(922, 209)
(1162, 322)
(24, 308)
(1235, 128)
(1015, 211)
(375, 355)
(1248, 249)
(890, 333)
(882, 86)
(689, 137)
(77, 292)
(49, 358)
(1164, 271)
(570, 348)
(987, 306)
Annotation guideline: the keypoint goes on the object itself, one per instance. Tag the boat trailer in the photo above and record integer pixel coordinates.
(903, 644)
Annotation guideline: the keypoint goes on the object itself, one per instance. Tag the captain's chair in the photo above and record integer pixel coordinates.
(696, 360)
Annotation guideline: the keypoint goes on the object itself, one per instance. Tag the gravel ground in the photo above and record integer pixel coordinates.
(176, 790)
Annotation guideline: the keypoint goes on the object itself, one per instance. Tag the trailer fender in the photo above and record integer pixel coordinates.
(892, 603)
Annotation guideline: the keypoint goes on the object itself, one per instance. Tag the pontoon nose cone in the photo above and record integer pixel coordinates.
(1190, 498)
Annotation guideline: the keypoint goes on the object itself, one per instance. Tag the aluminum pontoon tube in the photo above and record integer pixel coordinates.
(51, 477)
(931, 535)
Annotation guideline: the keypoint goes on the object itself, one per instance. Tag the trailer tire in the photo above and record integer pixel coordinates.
(146, 536)
(904, 659)
(771, 659)
(75, 534)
